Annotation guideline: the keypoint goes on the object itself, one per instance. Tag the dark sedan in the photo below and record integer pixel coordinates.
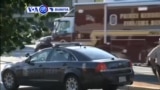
(71, 67)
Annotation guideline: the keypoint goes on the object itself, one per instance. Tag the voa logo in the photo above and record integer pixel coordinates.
(43, 9)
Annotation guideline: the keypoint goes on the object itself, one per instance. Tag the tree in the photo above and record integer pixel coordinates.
(14, 32)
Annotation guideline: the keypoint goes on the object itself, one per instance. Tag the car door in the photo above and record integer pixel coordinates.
(58, 62)
(33, 70)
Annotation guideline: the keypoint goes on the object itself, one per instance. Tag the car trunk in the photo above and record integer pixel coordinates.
(116, 63)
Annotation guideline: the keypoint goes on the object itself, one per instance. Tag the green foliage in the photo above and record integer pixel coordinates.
(14, 32)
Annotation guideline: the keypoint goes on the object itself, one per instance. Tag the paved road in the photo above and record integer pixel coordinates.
(143, 74)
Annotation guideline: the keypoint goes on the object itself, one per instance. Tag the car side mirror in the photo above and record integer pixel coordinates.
(27, 54)
(28, 61)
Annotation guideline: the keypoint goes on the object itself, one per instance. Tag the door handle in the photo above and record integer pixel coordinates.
(40, 65)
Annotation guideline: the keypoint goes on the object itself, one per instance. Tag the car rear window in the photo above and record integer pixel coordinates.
(94, 53)
(80, 56)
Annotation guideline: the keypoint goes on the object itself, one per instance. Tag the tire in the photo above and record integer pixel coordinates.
(154, 71)
(148, 63)
(158, 75)
(157, 72)
(9, 81)
(110, 87)
(72, 83)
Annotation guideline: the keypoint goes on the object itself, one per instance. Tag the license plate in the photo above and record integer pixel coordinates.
(122, 79)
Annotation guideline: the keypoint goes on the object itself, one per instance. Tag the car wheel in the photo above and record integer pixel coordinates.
(72, 83)
(110, 87)
(9, 81)
(158, 75)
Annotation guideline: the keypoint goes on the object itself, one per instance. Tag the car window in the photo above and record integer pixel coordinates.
(95, 53)
(61, 55)
(80, 56)
(41, 56)
(64, 26)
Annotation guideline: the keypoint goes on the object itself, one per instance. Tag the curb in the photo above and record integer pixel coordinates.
(142, 86)
(137, 88)
(140, 64)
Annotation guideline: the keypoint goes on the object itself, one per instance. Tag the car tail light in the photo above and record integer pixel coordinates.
(101, 67)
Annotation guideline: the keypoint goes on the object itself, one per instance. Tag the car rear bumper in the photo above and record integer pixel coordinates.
(98, 80)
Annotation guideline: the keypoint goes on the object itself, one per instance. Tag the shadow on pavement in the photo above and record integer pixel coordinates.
(36, 88)
(28, 88)
(150, 79)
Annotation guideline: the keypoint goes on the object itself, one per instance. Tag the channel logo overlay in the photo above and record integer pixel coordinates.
(44, 9)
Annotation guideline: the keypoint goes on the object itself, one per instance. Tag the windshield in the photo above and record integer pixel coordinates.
(55, 25)
(63, 26)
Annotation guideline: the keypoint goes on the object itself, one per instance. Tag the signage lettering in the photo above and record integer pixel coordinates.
(155, 22)
(150, 15)
(140, 19)
(136, 23)
(129, 16)
(154, 33)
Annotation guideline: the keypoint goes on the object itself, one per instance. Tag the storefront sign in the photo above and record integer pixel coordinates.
(140, 19)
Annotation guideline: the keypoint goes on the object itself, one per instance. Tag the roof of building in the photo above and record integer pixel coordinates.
(123, 2)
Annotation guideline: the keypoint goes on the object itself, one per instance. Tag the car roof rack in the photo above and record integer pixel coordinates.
(63, 44)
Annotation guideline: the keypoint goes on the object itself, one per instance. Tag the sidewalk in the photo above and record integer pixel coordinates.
(142, 86)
